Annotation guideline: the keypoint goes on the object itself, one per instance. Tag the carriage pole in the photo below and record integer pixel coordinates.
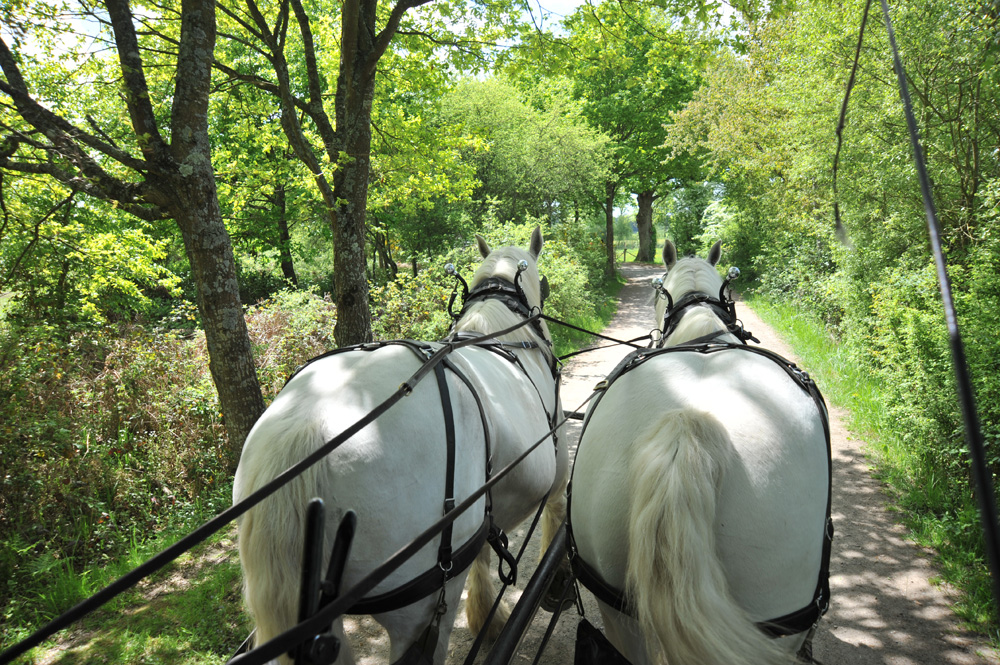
(524, 611)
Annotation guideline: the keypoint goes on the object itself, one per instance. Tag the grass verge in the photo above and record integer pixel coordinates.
(189, 613)
(938, 516)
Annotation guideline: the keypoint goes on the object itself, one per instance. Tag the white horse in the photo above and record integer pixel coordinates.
(392, 473)
(700, 490)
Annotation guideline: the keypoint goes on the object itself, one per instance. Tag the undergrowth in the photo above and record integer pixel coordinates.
(938, 509)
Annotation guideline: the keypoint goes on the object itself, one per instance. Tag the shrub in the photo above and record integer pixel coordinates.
(111, 433)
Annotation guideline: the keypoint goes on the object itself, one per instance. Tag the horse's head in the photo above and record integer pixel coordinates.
(690, 274)
(687, 276)
(504, 288)
(502, 263)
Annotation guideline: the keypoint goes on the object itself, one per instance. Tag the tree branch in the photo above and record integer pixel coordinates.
(64, 137)
(137, 97)
(189, 113)
(384, 37)
(243, 23)
(316, 111)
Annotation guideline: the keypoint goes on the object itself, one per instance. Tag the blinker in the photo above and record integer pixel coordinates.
(453, 271)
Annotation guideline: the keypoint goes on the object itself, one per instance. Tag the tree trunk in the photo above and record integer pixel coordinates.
(210, 254)
(644, 222)
(382, 251)
(171, 180)
(355, 90)
(284, 237)
(609, 226)
(194, 203)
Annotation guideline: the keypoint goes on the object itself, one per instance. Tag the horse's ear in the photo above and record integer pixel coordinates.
(715, 253)
(536, 242)
(669, 254)
(484, 247)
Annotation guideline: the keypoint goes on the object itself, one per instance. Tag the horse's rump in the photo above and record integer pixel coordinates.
(771, 490)
(391, 473)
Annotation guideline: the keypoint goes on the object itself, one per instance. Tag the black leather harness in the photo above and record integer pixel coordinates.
(790, 624)
(451, 561)
(723, 306)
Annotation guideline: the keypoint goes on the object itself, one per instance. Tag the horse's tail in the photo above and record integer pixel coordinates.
(675, 579)
(270, 542)
(481, 597)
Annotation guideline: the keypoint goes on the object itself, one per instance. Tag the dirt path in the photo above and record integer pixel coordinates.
(884, 610)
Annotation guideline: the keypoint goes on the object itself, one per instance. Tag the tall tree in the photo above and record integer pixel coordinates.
(149, 173)
(632, 68)
(337, 147)
(535, 155)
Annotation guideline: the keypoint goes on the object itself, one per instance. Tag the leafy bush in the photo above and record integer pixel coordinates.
(286, 330)
(112, 433)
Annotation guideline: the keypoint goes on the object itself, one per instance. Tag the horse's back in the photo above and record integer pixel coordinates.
(771, 494)
(392, 472)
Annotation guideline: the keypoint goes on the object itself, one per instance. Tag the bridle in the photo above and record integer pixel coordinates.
(723, 306)
(511, 295)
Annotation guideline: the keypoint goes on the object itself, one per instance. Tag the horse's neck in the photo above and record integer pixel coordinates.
(488, 316)
(698, 322)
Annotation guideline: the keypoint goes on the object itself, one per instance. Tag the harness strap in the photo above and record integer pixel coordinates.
(790, 624)
(425, 584)
(724, 308)
(444, 551)
(508, 293)
(449, 562)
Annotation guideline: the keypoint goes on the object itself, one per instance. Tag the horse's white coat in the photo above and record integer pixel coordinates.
(392, 472)
(700, 485)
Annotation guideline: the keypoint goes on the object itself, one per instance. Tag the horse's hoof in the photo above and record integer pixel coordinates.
(561, 594)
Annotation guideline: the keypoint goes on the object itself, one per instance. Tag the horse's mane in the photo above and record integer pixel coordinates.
(692, 274)
(485, 316)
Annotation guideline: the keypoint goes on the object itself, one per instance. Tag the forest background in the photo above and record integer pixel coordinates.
(194, 199)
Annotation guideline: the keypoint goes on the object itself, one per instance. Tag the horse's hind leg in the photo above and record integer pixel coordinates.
(481, 597)
(346, 655)
(408, 628)
(552, 517)
(624, 634)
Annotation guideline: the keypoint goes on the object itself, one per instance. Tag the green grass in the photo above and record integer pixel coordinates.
(188, 613)
(939, 514)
